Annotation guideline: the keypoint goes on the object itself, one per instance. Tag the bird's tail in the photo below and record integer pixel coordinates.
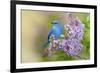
(45, 45)
(45, 50)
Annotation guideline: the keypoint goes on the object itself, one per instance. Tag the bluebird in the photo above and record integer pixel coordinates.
(55, 31)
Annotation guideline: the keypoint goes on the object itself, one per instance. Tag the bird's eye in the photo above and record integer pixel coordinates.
(55, 23)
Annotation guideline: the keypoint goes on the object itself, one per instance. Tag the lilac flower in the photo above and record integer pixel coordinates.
(53, 46)
(71, 47)
(75, 29)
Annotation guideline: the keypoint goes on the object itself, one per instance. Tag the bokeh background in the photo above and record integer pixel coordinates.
(35, 26)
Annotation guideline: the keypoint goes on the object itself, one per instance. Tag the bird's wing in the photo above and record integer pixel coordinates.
(50, 32)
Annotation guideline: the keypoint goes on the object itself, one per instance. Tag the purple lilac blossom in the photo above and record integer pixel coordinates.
(75, 29)
(71, 47)
(72, 44)
(53, 46)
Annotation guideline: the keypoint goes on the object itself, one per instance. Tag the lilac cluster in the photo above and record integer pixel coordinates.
(53, 46)
(71, 46)
(74, 29)
(72, 43)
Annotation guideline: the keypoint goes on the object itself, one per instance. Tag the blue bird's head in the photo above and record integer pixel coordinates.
(55, 22)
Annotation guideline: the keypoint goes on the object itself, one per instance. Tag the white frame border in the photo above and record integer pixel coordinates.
(58, 63)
